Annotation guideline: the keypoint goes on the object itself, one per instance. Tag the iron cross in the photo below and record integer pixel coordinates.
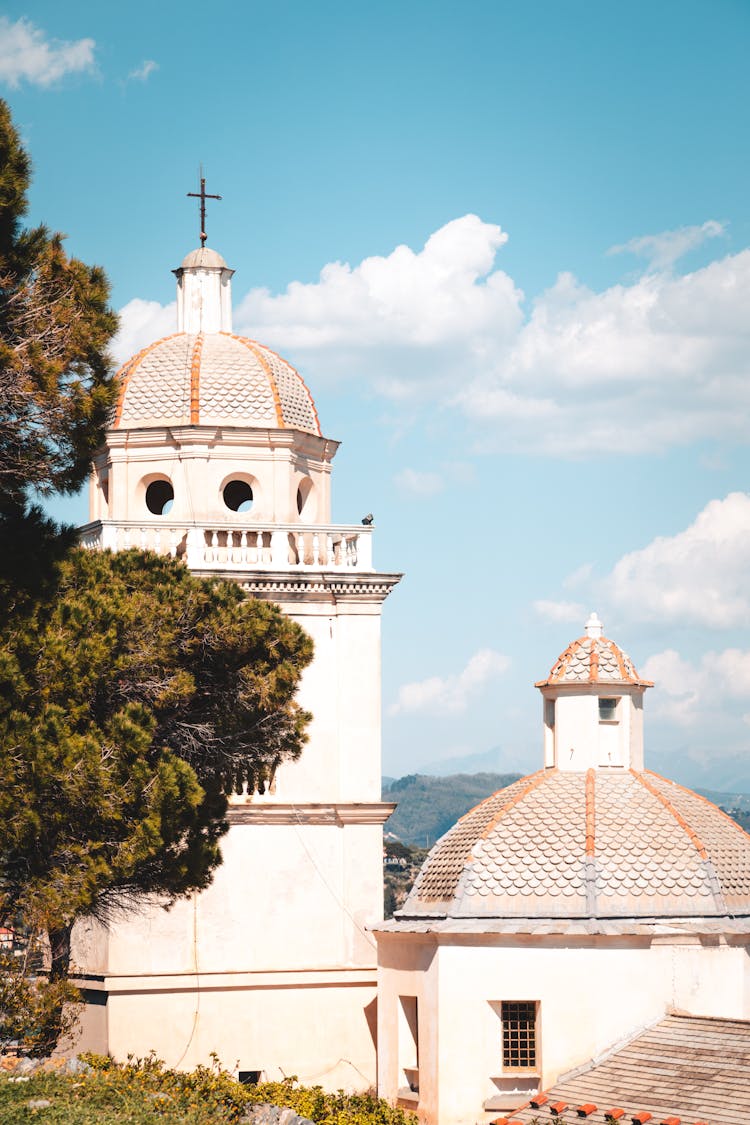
(203, 196)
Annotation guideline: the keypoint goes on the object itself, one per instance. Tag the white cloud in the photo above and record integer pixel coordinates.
(560, 611)
(26, 55)
(143, 72)
(697, 577)
(660, 362)
(142, 322)
(689, 693)
(450, 695)
(664, 249)
(415, 482)
(408, 320)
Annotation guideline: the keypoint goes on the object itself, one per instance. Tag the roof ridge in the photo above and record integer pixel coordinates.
(618, 654)
(694, 837)
(700, 797)
(254, 347)
(247, 340)
(591, 812)
(195, 380)
(534, 779)
(713, 878)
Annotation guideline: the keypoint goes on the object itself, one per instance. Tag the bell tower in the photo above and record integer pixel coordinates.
(215, 455)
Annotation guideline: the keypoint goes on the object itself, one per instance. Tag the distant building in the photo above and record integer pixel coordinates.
(215, 454)
(564, 915)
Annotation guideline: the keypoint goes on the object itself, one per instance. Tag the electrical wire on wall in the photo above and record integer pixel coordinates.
(342, 905)
(196, 1013)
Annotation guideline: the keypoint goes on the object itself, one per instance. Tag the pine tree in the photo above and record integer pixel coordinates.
(55, 326)
(132, 702)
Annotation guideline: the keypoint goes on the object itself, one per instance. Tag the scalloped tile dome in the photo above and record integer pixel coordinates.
(212, 379)
(587, 845)
(594, 660)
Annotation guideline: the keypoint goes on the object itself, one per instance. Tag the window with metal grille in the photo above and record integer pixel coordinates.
(519, 1034)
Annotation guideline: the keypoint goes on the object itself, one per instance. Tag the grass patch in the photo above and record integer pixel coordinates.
(144, 1092)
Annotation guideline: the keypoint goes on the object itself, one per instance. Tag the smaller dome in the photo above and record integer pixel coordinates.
(593, 659)
(587, 845)
(203, 258)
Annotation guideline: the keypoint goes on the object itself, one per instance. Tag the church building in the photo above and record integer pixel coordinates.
(215, 455)
(565, 915)
(582, 912)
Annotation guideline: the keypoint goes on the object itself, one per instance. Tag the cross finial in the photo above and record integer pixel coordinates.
(203, 196)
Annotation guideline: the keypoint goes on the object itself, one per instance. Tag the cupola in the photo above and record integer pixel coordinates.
(204, 292)
(593, 706)
(212, 427)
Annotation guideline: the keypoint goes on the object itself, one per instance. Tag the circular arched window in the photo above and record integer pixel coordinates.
(304, 493)
(159, 497)
(238, 496)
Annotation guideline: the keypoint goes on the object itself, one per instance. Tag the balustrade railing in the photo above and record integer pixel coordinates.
(228, 546)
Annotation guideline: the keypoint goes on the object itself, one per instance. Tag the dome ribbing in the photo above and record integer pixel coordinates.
(599, 844)
(212, 378)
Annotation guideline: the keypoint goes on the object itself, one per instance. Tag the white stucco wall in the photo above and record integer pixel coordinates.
(199, 460)
(316, 1027)
(592, 994)
(579, 740)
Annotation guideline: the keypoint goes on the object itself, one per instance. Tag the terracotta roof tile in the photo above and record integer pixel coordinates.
(593, 660)
(680, 1069)
(212, 379)
(603, 844)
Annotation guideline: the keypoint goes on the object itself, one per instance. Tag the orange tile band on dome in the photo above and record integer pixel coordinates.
(699, 796)
(693, 835)
(534, 780)
(195, 381)
(593, 662)
(127, 370)
(253, 346)
(591, 650)
(249, 344)
(590, 812)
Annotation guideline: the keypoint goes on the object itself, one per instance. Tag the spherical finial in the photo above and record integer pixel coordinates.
(594, 627)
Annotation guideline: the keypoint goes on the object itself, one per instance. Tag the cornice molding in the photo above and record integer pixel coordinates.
(336, 813)
(319, 585)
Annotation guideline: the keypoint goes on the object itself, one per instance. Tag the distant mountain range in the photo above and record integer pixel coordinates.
(429, 805)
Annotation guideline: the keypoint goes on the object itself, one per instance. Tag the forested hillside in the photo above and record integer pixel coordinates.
(428, 806)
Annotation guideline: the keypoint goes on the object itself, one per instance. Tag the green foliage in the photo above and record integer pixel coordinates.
(398, 880)
(34, 1010)
(329, 1109)
(133, 698)
(143, 1092)
(429, 806)
(55, 327)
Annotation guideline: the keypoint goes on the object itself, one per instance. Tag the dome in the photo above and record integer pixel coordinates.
(212, 378)
(592, 844)
(594, 659)
(203, 258)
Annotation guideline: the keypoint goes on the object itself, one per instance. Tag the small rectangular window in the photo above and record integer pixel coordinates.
(549, 713)
(519, 1034)
(607, 710)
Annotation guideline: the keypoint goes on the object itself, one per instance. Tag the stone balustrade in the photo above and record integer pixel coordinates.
(239, 546)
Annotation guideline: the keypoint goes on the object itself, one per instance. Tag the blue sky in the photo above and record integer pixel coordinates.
(506, 244)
